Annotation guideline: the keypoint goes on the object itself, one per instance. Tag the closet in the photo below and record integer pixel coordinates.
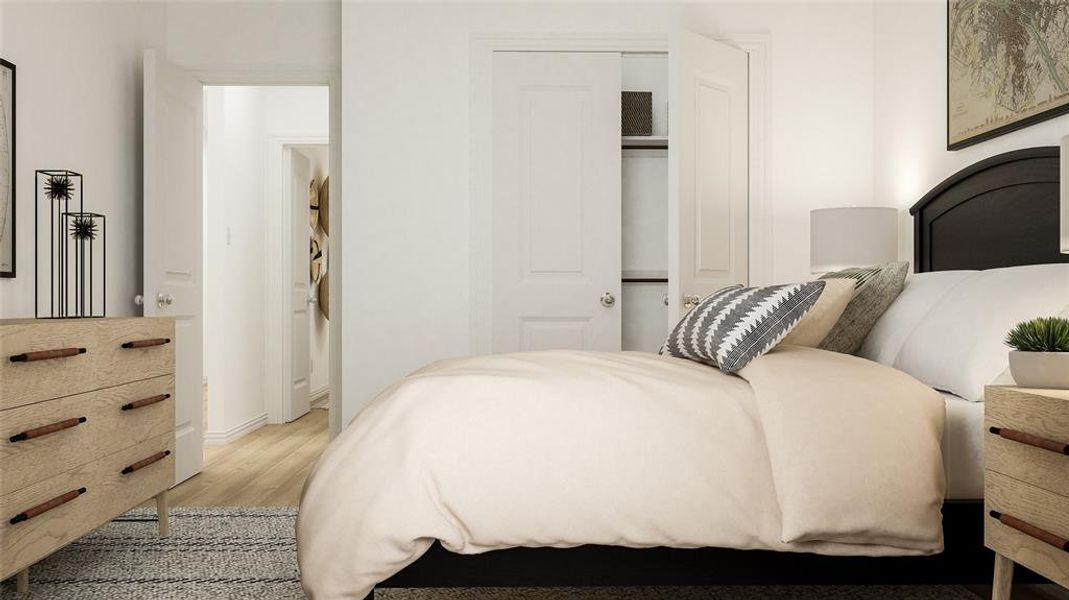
(601, 240)
(644, 207)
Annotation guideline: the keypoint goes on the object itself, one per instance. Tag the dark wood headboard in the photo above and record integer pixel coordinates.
(999, 212)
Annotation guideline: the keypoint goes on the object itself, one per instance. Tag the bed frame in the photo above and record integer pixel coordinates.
(999, 212)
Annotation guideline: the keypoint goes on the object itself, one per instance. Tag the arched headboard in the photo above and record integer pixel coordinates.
(999, 212)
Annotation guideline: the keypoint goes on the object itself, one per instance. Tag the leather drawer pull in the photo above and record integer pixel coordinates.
(37, 432)
(144, 462)
(145, 402)
(146, 343)
(47, 506)
(47, 354)
(1031, 530)
(1031, 440)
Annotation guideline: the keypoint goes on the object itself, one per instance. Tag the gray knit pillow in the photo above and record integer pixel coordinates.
(736, 325)
(877, 287)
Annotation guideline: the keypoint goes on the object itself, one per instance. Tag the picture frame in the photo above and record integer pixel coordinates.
(8, 199)
(986, 95)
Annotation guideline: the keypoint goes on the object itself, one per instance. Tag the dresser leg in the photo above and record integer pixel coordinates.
(163, 514)
(1003, 584)
(22, 581)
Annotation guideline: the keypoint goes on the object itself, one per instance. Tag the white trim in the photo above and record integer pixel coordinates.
(317, 394)
(222, 438)
(482, 48)
(278, 215)
(761, 234)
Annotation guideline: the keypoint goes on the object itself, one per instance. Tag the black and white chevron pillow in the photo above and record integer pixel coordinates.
(736, 325)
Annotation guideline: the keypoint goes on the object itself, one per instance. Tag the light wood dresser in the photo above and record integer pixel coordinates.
(1026, 483)
(86, 429)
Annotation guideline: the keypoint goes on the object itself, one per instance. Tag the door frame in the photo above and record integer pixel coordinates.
(278, 215)
(482, 51)
(268, 75)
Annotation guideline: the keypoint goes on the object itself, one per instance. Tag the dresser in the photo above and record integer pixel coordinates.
(1026, 483)
(86, 429)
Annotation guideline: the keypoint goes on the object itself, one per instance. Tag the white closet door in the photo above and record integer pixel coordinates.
(708, 158)
(556, 201)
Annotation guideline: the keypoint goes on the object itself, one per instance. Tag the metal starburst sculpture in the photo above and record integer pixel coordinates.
(59, 187)
(83, 228)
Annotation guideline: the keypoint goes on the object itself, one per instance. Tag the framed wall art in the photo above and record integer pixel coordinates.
(7, 169)
(1007, 67)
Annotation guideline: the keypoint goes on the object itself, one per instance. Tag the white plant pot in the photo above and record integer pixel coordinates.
(1044, 370)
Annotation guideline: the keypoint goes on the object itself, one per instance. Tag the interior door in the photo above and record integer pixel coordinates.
(708, 168)
(173, 187)
(300, 169)
(556, 201)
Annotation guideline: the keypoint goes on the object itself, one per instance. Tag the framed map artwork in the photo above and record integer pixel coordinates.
(1007, 66)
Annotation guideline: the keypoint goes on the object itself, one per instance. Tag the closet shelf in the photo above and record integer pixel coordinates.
(644, 277)
(655, 142)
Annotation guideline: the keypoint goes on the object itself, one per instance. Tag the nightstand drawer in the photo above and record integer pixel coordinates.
(1044, 413)
(1026, 436)
(1040, 467)
(1039, 508)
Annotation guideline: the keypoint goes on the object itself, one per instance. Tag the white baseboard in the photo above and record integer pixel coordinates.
(317, 395)
(222, 438)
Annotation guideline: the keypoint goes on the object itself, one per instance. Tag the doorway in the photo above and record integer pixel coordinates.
(266, 289)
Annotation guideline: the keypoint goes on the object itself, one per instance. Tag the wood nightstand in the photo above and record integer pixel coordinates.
(1026, 483)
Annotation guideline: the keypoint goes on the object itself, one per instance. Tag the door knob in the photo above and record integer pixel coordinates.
(608, 300)
(164, 300)
(664, 299)
(139, 300)
(690, 301)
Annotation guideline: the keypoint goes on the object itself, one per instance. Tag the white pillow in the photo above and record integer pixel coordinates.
(920, 294)
(958, 346)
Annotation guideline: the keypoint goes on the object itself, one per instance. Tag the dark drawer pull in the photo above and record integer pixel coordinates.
(1028, 529)
(47, 506)
(47, 354)
(37, 432)
(146, 343)
(1031, 440)
(144, 462)
(145, 402)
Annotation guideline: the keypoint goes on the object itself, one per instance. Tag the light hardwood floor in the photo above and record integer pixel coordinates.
(265, 468)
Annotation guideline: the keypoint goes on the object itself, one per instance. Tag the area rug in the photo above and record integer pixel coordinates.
(239, 553)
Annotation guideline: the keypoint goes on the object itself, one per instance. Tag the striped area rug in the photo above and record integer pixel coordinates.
(250, 553)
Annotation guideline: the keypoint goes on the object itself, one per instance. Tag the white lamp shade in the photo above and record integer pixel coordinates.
(1063, 212)
(855, 236)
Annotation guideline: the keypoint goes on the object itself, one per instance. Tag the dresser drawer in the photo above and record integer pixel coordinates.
(107, 493)
(42, 360)
(106, 428)
(1036, 507)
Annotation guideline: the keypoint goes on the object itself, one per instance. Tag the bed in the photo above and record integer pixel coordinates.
(1000, 212)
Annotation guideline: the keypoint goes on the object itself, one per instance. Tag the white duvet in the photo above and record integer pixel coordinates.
(807, 451)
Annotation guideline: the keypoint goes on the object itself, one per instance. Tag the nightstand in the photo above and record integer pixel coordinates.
(1026, 483)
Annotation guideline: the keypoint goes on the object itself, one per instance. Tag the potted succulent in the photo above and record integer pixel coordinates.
(1040, 355)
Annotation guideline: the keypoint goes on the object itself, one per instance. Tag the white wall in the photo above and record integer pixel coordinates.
(406, 151)
(78, 107)
(240, 122)
(79, 80)
(909, 151)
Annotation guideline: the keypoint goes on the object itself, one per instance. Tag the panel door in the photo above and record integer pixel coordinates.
(173, 188)
(708, 162)
(299, 285)
(556, 201)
